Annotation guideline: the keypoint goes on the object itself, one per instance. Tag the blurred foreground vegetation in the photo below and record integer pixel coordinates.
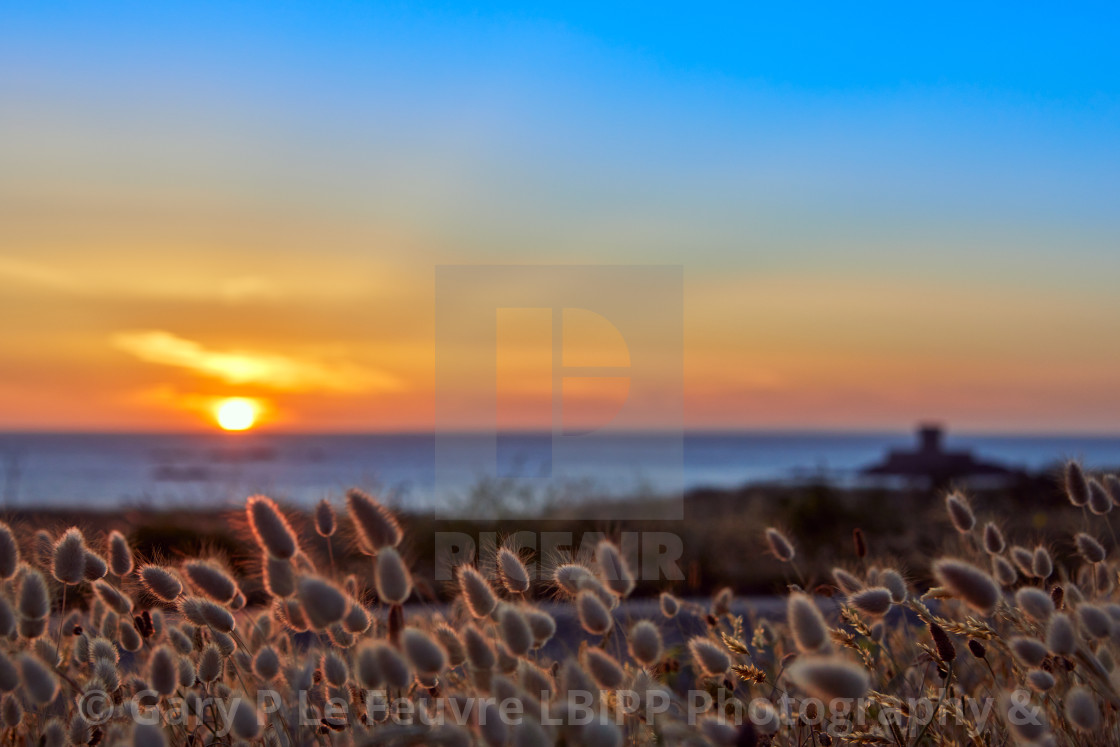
(721, 533)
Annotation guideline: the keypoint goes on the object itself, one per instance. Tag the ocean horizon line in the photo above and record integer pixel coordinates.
(950, 433)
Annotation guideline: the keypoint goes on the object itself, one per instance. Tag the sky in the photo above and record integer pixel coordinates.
(882, 215)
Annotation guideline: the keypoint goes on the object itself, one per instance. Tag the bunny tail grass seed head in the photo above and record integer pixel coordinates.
(670, 605)
(357, 619)
(102, 649)
(806, 623)
(324, 518)
(163, 670)
(875, 601)
(593, 615)
(211, 580)
(477, 646)
(244, 721)
(960, 512)
(289, 612)
(391, 578)
(710, 657)
(721, 601)
(7, 618)
(895, 584)
(829, 677)
(118, 601)
(1076, 484)
(1088, 548)
(1003, 571)
(425, 655)
(452, 644)
(1040, 680)
(614, 569)
(994, 543)
(1035, 602)
(120, 554)
(1082, 709)
(11, 712)
(1041, 563)
(644, 642)
(513, 573)
(187, 675)
(376, 526)
(1023, 560)
(969, 583)
(1100, 502)
(542, 624)
(569, 577)
(322, 602)
(147, 734)
(600, 734)
(516, 634)
(34, 602)
(54, 733)
(210, 664)
(780, 546)
(130, 639)
(69, 558)
(334, 669)
(279, 576)
(719, 730)
(847, 582)
(1029, 651)
(392, 666)
(95, 567)
(603, 668)
(32, 628)
(367, 671)
(1060, 636)
(266, 664)
(765, 717)
(9, 552)
(161, 583)
(1094, 621)
(1027, 723)
(211, 614)
(39, 682)
(476, 592)
(270, 529)
(9, 675)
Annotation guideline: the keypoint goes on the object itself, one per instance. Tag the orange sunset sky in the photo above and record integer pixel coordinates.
(261, 215)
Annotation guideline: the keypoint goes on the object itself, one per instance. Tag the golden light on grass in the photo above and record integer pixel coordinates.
(237, 413)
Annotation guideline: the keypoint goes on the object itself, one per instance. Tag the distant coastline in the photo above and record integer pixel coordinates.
(193, 469)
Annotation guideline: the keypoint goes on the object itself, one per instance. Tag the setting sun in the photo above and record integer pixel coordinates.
(237, 413)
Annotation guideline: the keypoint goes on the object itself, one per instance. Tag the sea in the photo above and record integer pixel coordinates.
(110, 471)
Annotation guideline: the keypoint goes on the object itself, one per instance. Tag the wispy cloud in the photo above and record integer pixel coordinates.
(34, 274)
(271, 370)
(94, 281)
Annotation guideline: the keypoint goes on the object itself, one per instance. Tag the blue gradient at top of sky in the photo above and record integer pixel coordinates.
(1026, 48)
(896, 151)
(884, 104)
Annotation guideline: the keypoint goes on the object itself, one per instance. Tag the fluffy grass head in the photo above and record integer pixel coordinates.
(375, 525)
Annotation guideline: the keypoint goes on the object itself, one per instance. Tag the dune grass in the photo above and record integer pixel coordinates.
(1013, 643)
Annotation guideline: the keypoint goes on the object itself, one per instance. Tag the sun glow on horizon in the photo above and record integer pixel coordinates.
(237, 413)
